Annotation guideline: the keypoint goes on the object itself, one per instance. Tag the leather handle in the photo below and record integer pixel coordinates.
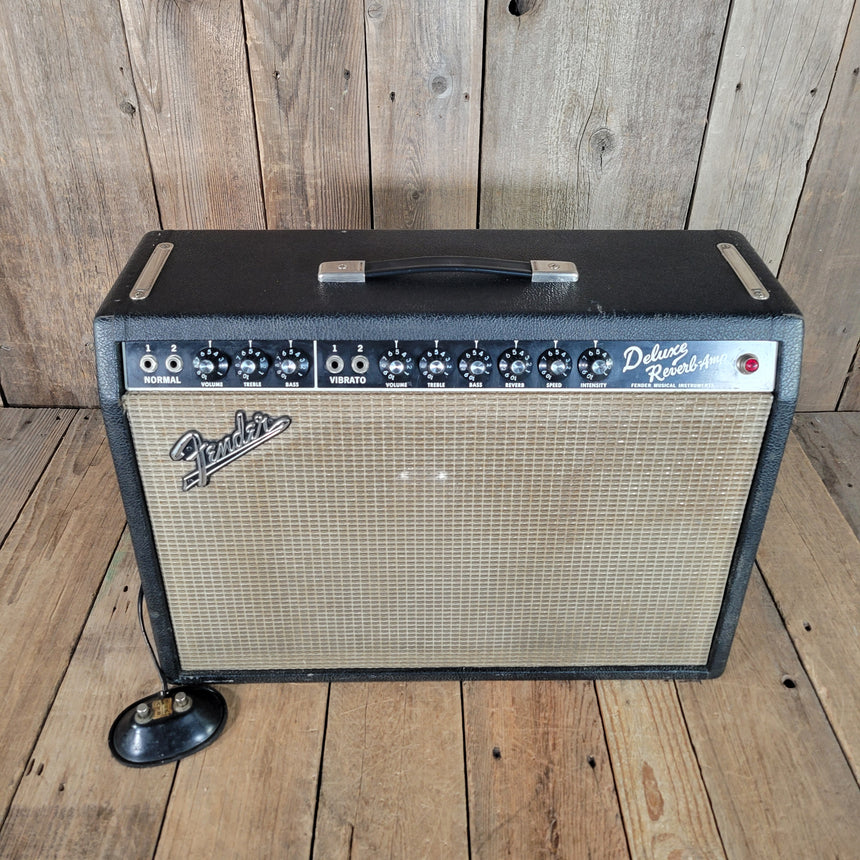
(358, 271)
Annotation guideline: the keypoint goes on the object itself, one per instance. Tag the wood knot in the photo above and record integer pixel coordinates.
(653, 797)
(440, 85)
(521, 7)
(602, 143)
(127, 107)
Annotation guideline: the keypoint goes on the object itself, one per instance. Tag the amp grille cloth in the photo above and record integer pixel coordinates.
(451, 529)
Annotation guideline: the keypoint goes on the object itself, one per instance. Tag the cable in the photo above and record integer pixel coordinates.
(148, 643)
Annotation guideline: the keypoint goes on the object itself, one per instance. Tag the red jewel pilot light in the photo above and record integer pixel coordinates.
(747, 364)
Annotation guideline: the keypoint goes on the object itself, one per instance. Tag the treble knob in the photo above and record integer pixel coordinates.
(251, 363)
(435, 364)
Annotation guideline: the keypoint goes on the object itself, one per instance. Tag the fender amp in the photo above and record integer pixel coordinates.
(380, 454)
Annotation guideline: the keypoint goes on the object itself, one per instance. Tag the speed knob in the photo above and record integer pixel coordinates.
(594, 364)
(211, 364)
(514, 364)
(475, 365)
(435, 365)
(251, 363)
(554, 364)
(395, 364)
(292, 363)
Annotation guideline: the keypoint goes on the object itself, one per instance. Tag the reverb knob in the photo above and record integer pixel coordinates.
(251, 363)
(515, 364)
(211, 363)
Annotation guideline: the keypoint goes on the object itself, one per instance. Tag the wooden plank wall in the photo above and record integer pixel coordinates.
(121, 116)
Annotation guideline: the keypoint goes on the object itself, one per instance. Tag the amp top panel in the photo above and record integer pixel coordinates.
(440, 364)
(520, 275)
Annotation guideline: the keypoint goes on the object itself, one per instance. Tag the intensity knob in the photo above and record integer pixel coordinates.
(554, 364)
(435, 365)
(594, 364)
(211, 364)
(251, 363)
(515, 364)
(395, 364)
(475, 365)
(292, 363)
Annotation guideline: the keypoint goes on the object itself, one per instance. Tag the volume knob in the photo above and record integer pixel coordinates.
(395, 364)
(211, 364)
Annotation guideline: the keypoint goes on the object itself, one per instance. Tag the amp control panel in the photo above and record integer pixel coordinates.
(437, 365)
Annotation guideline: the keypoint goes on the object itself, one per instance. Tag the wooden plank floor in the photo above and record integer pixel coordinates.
(761, 763)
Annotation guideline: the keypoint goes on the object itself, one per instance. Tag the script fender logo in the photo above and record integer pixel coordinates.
(209, 456)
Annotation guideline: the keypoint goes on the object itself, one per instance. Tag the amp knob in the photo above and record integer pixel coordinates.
(514, 364)
(292, 363)
(554, 364)
(475, 365)
(594, 364)
(251, 363)
(395, 364)
(435, 365)
(211, 364)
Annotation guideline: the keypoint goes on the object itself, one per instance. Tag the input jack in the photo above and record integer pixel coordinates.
(334, 364)
(149, 363)
(173, 363)
(360, 364)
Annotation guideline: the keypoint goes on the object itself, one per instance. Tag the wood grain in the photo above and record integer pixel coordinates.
(74, 799)
(75, 192)
(594, 112)
(53, 562)
(663, 800)
(393, 782)
(775, 76)
(778, 781)
(424, 85)
(540, 781)
(822, 259)
(253, 792)
(831, 440)
(28, 438)
(191, 72)
(810, 559)
(310, 100)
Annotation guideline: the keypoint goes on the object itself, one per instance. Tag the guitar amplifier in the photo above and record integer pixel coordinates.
(389, 454)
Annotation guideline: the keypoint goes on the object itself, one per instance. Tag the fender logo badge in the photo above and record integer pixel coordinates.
(209, 456)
